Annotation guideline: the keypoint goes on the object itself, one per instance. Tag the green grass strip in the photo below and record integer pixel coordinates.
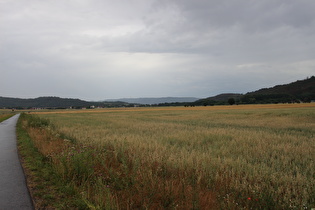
(4, 117)
(46, 187)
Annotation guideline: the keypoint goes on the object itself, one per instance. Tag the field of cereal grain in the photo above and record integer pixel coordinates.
(229, 157)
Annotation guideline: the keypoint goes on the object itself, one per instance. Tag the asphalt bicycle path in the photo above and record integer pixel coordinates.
(13, 190)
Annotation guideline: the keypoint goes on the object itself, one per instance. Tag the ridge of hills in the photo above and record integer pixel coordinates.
(299, 91)
(295, 92)
(300, 87)
(218, 99)
(156, 100)
(54, 103)
(40, 102)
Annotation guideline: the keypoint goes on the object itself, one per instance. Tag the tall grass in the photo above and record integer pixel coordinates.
(187, 159)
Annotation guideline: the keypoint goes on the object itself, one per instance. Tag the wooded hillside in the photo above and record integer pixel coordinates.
(299, 91)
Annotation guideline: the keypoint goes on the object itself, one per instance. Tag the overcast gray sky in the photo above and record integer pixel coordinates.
(102, 49)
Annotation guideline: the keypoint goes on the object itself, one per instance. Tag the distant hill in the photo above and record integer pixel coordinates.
(218, 99)
(300, 87)
(225, 97)
(55, 102)
(301, 90)
(295, 92)
(156, 100)
(42, 102)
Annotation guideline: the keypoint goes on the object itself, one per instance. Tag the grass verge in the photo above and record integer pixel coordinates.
(47, 189)
(4, 117)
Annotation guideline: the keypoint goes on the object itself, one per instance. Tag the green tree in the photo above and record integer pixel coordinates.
(231, 101)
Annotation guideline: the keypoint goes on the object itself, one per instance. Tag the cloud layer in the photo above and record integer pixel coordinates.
(100, 49)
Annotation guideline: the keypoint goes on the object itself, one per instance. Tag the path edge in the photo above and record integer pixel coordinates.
(22, 164)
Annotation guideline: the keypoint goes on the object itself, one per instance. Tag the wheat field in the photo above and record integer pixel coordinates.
(221, 157)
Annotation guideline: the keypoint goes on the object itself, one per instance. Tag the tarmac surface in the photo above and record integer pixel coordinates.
(13, 190)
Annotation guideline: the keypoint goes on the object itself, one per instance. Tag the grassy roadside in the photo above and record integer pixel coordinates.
(5, 116)
(47, 189)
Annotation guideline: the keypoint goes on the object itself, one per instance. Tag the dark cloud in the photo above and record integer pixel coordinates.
(109, 49)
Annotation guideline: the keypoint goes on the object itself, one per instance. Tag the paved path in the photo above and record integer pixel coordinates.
(13, 191)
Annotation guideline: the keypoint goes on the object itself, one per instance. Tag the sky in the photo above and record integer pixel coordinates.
(105, 49)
